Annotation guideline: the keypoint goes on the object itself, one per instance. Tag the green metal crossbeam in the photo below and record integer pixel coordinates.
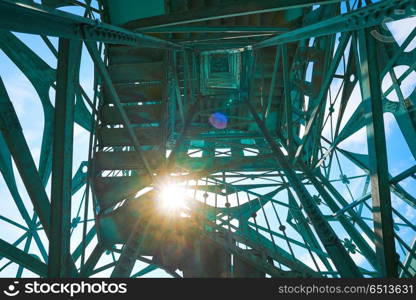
(368, 16)
(51, 22)
(22, 258)
(226, 10)
(16, 142)
(61, 191)
(382, 210)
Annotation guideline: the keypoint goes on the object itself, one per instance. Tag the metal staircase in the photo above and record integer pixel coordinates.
(144, 79)
(140, 78)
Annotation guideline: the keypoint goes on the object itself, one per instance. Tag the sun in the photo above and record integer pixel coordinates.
(172, 198)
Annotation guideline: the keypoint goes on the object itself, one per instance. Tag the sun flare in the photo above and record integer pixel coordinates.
(172, 198)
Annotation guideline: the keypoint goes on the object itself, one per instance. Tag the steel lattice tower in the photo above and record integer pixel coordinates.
(223, 139)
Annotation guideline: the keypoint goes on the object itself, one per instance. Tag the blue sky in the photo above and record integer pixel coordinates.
(29, 110)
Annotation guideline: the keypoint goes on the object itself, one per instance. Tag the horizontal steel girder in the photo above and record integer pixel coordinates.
(22, 258)
(242, 8)
(371, 15)
(14, 16)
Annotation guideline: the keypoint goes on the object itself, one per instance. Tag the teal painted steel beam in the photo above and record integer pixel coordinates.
(247, 236)
(370, 85)
(301, 225)
(321, 185)
(5, 219)
(326, 186)
(355, 235)
(102, 70)
(91, 262)
(320, 99)
(17, 242)
(293, 241)
(144, 271)
(41, 76)
(139, 258)
(367, 230)
(6, 169)
(410, 260)
(370, 15)
(288, 101)
(80, 178)
(190, 114)
(14, 16)
(336, 251)
(131, 250)
(403, 175)
(149, 261)
(225, 10)
(352, 205)
(103, 268)
(222, 29)
(69, 56)
(22, 258)
(175, 82)
(394, 187)
(278, 254)
(217, 38)
(26, 249)
(88, 238)
(16, 142)
(273, 82)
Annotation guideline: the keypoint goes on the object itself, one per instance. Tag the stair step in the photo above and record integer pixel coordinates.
(111, 190)
(178, 6)
(137, 114)
(122, 55)
(110, 137)
(127, 160)
(137, 72)
(249, 163)
(129, 93)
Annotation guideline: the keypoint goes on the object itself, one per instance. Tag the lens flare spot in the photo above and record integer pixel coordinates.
(218, 120)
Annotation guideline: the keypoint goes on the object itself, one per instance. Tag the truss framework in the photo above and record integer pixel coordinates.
(273, 188)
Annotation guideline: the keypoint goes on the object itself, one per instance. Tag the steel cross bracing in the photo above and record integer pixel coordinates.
(299, 181)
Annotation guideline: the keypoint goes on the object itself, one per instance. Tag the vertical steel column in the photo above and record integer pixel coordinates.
(377, 152)
(66, 82)
(288, 101)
